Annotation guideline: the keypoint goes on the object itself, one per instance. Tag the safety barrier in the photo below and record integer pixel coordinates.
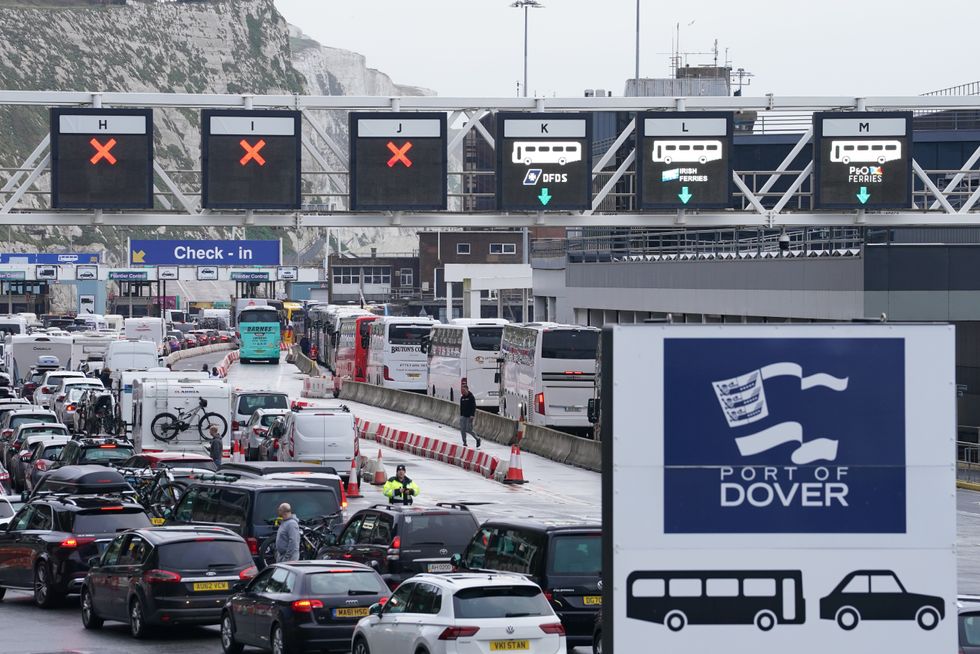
(428, 447)
(307, 366)
(551, 444)
(225, 364)
(196, 352)
(317, 387)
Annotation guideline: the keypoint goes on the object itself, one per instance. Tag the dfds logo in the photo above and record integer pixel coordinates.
(784, 436)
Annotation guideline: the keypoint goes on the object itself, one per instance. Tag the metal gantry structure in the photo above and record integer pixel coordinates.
(953, 203)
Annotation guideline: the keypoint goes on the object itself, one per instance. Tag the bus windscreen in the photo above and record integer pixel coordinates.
(258, 316)
(569, 344)
(407, 334)
(485, 339)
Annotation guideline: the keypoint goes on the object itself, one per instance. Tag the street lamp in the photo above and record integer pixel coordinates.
(524, 4)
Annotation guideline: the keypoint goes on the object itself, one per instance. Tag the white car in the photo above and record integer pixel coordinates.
(257, 427)
(447, 614)
(51, 384)
(65, 397)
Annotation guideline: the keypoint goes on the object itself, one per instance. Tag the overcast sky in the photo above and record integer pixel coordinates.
(831, 47)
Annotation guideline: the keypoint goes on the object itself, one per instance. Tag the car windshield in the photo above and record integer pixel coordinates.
(204, 554)
(346, 583)
(247, 404)
(206, 464)
(52, 452)
(306, 504)
(38, 431)
(106, 453)
(569, 344)
(577, 555)
(268, 419)
(17, 421)
(486, 339)
(452, 529)
(500, 602)
(109, 522)
(970, 632)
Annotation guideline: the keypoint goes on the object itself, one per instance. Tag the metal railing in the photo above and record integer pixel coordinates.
(968, 461)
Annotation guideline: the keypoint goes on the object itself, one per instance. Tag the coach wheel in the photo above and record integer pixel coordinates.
(675, 620)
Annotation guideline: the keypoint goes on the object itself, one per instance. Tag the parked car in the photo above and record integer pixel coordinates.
(190, 340)
(37, 455)
(269, 446)
(14, 419)
(248, 506)
(165, 576)
(47, 546)
(245, 403)
(564, 559)
(291, 471)
(51, 384)
(257, 428)
(27, 433)
(100, 451)
(155, 460)
(301, 606)
(484, 612)
(402, 541)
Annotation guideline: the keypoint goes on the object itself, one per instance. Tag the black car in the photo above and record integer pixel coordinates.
(47, 546)
(317, 474)
(879, 595)
(402, 541)
(565, 560)
(165, 576)
(99, 451)
(248, 506)
(81, 480)
(301, 606)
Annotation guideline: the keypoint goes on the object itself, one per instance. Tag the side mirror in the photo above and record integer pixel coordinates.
(373, 563)
(375, 609)
(94, 561)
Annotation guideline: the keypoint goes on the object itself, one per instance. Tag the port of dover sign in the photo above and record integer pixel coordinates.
(779, 488)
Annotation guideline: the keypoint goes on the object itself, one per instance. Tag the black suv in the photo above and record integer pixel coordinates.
(165, 576)
(81, 480)
(47, 546)
(98, 451)
(248, 506)
(565, 560)
(401, 541)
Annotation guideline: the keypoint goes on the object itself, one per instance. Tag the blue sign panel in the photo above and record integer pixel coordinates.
(784, 436)
(49, 257)
(192, 252)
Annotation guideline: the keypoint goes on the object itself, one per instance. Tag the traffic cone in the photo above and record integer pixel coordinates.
(379, 472)
(515, 473)
(353, 488)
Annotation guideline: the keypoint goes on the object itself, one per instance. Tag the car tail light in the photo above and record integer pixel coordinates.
(248, 573)
(539, 403)
(59, 398)
(70, 407)
(548, 595)
(394, 550)
(41, 465)
(161, 577)
(73, 541)
(4, 476)
(383, 600)
(343, 496)
(107, 447)
(275, 445)
(260, 431)
(235, 425)
(452, 633)
(253, 545)
(307, 605)
(553, 628)
(387, 375)
(574, 372)
(111, 508)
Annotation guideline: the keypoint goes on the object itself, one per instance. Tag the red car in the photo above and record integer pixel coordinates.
(190, 341)
(154, 460)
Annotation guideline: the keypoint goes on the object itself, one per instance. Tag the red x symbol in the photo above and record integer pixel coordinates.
(400, 154)
(102, 151)
(252, 152)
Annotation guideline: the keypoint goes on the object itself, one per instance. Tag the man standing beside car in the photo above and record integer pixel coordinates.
(467, 411)
(287, 537)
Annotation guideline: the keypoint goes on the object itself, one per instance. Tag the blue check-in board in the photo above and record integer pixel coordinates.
(191, 252)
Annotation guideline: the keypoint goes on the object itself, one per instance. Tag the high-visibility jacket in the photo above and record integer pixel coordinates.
(393, 484)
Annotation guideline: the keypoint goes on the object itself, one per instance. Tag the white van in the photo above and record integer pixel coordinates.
(131, 355)
(21, 352)
(245, 402)
(466, 348)
(13, 324)
(88, 346)
(92, 321)
(115, 322)
(127, 378)
(153, 397)
(145, 329)
(321, 435)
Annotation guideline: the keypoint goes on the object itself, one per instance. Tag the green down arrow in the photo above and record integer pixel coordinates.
(863, 195)
(685, 195)
(545, 197)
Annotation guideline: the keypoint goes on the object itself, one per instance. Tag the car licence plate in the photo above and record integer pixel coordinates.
(493, 393)
(592, 600)
(572, 409)
(509, 645)
(156, 522)
(351, 613)
(210, 585)
(414, 375)
(440, 567)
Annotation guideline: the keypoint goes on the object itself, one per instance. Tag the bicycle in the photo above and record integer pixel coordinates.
(314, 535)
(166, 426)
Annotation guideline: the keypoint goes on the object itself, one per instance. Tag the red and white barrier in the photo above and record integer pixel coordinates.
(225, 364)
(316, 387)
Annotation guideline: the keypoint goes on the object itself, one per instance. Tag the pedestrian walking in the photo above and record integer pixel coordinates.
(304, 346)
(287, 536)
(215, 445)
(467, 411)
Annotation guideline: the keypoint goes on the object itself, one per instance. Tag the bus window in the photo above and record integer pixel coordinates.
(862, 148)
(530, 148)
(697, 147)
(711, 147)
(544, 148)
(569, 344)
(259, 316)
(670, 147)
(558, 148)
(891, 148)
(759, 587)
(649, 588)
(877, 147)
(407, 334)
(685, 587)
(485, 339)
(684, 147)
(721, 587)
(849, 148)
